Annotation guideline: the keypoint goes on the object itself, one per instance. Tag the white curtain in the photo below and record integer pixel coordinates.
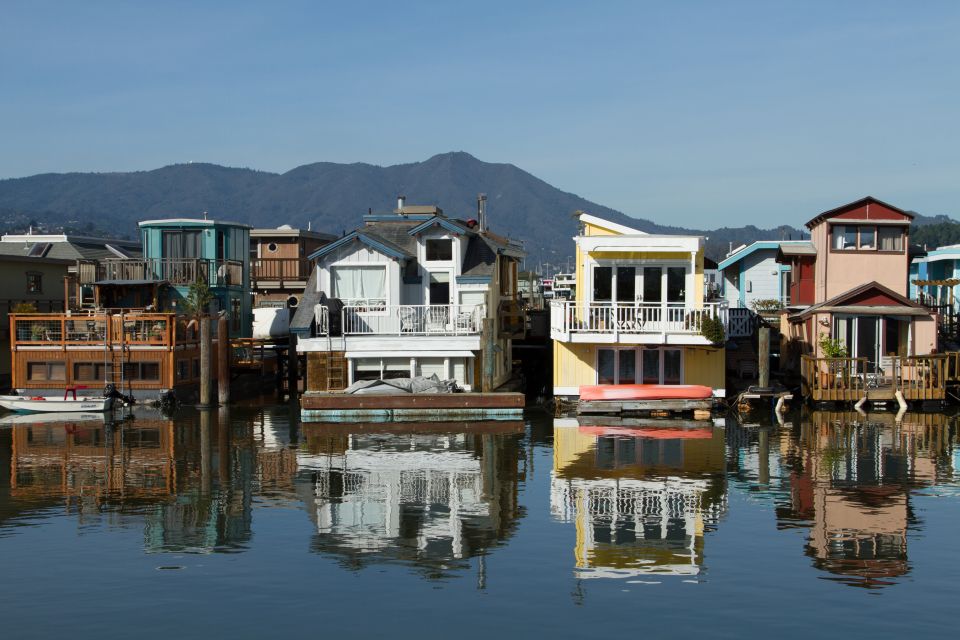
(360, 283)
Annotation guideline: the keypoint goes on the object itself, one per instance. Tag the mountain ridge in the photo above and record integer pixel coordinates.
(333, 196)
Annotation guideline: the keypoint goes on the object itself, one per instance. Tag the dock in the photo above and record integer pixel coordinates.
(344, 407)
(640, 407)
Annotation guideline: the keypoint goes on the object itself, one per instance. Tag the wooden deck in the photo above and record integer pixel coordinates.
(343, 407)
(620, 407)
(918, 378)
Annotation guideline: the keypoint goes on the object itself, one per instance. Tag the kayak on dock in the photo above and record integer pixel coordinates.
(645, 392)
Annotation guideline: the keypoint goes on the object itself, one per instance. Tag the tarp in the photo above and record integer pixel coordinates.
(419, 384)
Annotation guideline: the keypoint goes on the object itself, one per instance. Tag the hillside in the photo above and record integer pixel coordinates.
(330, 197)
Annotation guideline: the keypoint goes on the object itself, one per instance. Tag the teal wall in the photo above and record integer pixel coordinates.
(236, 241)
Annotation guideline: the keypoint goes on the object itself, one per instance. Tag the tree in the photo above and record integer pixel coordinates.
(197, 302)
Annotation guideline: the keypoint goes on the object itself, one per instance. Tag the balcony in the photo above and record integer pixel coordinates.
(632, 323)
(279, 270)
(176, 271)
(402, 320)
(61, 331)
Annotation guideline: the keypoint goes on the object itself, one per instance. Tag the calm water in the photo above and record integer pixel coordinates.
(248, 524)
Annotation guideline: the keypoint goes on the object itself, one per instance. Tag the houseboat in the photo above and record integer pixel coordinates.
(639, 315)
(412, 293)
(128, 323)
(849, 326)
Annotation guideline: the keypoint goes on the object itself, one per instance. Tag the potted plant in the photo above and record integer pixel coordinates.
(832, 348)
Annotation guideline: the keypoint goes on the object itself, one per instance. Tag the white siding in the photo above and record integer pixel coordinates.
(761, 276)
(357, 253)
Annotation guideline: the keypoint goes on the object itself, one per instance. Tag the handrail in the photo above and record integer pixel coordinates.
(568, 317)
(850, 379)
(404, 320)
(279, 268)
(94, 329)
(178, 271)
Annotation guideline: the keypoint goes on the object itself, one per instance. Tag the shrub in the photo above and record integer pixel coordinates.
(711, 328)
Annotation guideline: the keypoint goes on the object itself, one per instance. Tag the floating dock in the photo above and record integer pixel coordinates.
(344, 407)
(621, 407)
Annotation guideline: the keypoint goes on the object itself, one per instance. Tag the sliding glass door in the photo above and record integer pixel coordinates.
(662, 366)
(617, 366)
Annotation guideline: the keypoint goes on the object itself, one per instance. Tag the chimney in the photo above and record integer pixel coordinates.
(401, 200)
(482, 212)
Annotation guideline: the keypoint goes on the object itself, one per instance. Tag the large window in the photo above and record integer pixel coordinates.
(181, 244)
(616, 366)
(439, 250)
(866, 238)
(46, 371)
(662, 366)
(366, 285)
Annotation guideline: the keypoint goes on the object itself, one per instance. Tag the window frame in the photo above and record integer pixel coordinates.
(426, 249)
(858, 248)
(47, 365)
(39, 282)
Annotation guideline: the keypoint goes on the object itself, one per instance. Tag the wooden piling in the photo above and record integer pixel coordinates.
(223, 361)
(764, 357)
(293, 364)
(205, 348)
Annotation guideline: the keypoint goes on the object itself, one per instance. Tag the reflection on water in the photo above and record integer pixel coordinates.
(633, 501)
(851, 478)
(640, 497)
(430, 494)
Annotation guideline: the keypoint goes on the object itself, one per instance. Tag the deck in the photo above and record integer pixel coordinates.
(344, 407)
(917, 378)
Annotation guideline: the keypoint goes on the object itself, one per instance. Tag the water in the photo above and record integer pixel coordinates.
(246, 524)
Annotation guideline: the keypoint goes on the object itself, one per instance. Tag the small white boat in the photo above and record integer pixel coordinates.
(14, 419)
(41, 404)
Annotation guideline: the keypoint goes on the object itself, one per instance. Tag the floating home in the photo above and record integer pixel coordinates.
(849, 287)
(639, 313)
(127, 325)
(412, 293)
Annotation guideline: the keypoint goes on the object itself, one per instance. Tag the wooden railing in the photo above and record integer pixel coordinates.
(851, 379)
(177, 271)
(280, 269)
(568, 318)
(36, 330)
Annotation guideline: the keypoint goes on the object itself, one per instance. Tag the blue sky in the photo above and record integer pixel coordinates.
(688, 113)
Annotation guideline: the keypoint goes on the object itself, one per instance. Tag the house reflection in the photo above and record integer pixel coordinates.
(640, 496)
(850, 478)
(430, 495)
(188, 483)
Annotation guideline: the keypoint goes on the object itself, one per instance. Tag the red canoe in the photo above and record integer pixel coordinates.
(645, 392)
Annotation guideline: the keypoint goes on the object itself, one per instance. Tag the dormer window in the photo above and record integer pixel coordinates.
(439, 250)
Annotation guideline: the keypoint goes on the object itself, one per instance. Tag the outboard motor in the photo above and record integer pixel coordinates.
(110, 391)
(167, 402)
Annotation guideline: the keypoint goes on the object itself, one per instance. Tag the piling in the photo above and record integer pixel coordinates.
(223, 361)
(205, 348)
(764, 357)
(293, 364)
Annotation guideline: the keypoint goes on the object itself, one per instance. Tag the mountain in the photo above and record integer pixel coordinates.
(330, 197)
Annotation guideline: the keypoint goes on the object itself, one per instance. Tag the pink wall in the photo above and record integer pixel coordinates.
(849, 270)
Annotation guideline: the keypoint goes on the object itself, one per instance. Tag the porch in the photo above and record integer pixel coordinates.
(401, 320)
(613, 322)
(852, 379)
(176, 271)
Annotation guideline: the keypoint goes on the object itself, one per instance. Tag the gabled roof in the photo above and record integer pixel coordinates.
(845, 302)
(453, 226)
(759, 245)
(854, 205)
(371, 240)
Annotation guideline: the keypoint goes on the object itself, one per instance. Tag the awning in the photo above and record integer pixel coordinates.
(886, 310)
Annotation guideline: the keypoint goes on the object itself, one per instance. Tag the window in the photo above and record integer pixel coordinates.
(662, 366)
(360, 285)
(439, 291)
(46, 371)
(439, 249)
(34, 282)
(91, 371)
(602, 284)
(181, 244)
(272, 247)
(616, 366)
(890, 238)
(147, 371)
(868, 238)
(183, 369)
(235, 313)
(844, 238)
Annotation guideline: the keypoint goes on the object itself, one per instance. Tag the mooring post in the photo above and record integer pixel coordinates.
(223, 360)
(205, 347)
(763, 473)
(764, 357)
(206, 453)
(293, 366)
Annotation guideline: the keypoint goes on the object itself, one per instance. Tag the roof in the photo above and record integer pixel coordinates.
(800, 249)
(759, 245)
(198, 222)
(904, 305)
(38, 260)
(291, 233)
(853, 205)
(373, 240)
(72, 249)
(613, 226)
(303, 317)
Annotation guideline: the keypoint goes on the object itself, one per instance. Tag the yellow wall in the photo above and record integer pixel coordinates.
(574, 364)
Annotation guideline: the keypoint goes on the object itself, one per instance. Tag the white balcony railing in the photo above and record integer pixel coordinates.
(403, 320)
(568, 317)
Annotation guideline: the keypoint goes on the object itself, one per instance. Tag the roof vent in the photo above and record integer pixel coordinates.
(401, 200)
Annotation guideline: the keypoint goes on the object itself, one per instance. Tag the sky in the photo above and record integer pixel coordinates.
(698, 114)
